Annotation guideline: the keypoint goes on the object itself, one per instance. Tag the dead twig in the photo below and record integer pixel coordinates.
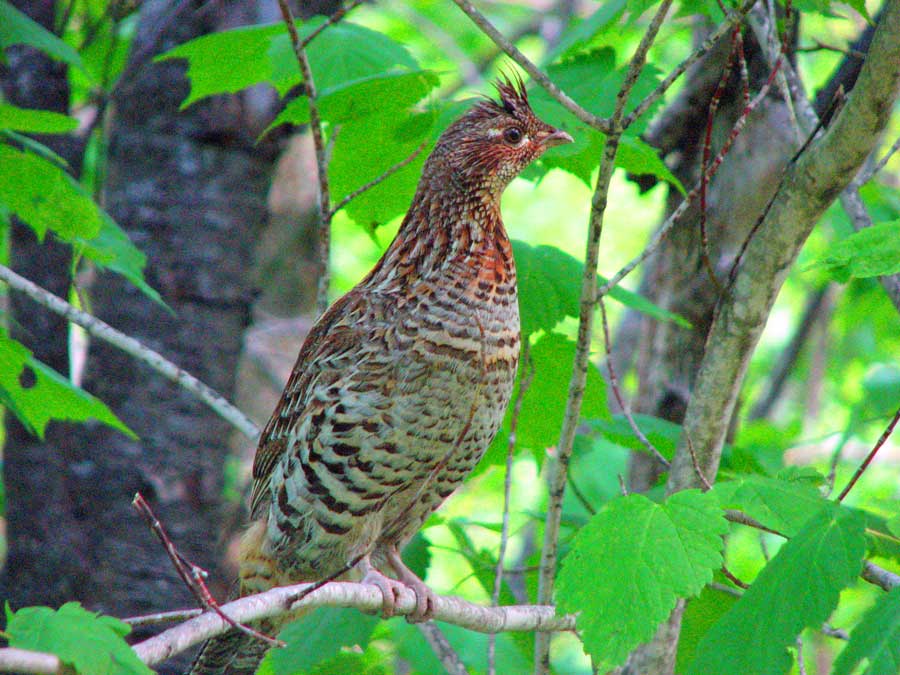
(315, 125)
(868, 460)
(194, 577)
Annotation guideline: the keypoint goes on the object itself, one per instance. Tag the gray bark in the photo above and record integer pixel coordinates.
(189, 187)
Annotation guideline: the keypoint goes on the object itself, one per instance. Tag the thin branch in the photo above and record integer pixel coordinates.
(162, 617)
(536, 74)
(614, 385)
(734, 18)
(673, 218)
(560, 467)
(879, 576)
(375, 181)
(868, 460)
(133, 347)
(442, 648)
(342, 594)
(315, 125)
(869, 173)
(193, 576)
(743, 585)
(704, 481)
(330, 21)
(524, 383)
(742, 518)
(13, 660)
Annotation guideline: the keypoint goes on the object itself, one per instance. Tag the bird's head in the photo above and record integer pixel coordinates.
(491, 143)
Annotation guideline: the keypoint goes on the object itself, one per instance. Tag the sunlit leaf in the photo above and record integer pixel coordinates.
(92, 644)
(639, 558)
(35, 121)
(871, 252)
(803, 581)
(37, 394)
(876, 639)
(18, 29)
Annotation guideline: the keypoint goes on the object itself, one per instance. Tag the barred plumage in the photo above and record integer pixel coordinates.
(402, 384)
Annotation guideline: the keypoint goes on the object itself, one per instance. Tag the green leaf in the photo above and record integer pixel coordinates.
(699, 616)
(661, 433)
(17, 29)
(591, 79)
(872, 252)
(549, 282)
(876, 638)
(782, 505)
(637, 157)
(92, 644)
(580, 36)
(379, 95)
(35, 121)
(47, 199)
(318, 636)
(544, 402)
(640, 557)
(38, 394)
(803, 581)
(364, 150)
(226, 62)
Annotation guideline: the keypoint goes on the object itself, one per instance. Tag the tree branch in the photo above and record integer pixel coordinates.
(536, 73)
(342, 594)
(809, 186)
(133, 347)
(315, 125)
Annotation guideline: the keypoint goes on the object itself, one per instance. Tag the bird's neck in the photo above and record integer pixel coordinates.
(448, 231)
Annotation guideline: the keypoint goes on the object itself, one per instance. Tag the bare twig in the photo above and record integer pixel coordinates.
(14, 660)
(375, 181)
(733, 579)
(869, 172)
(524, 383)
(801, 665)
(734, 17)
(330, 21)
(704, 481)
(673, 218)
(558, 470)
(193, 576)
(315, 125)
(614, 385)
(134, 348)
(341, 594)
(879, 576)
(537, 75)
(743, 519)
(443, 649)
(868, 460)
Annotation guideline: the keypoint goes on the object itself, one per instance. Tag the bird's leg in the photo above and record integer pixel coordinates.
(425, 597)
(390, 588)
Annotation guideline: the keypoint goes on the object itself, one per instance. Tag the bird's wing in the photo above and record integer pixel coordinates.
(333, 335)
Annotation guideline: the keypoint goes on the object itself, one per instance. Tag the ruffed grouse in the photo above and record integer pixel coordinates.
(400, 386)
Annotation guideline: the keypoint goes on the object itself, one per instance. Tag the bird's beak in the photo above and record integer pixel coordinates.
(556, 137)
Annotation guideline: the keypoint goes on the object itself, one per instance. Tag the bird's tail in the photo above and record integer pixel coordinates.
(236, 652)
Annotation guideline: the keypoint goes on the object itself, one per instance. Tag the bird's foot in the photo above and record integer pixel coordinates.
(426, 600)
(390, 590)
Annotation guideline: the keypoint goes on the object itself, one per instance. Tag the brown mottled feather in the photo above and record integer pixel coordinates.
(401, 385)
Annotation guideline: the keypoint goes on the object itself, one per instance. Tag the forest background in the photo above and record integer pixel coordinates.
(686, 463)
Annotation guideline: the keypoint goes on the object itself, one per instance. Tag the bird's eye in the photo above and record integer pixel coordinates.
(513, 135)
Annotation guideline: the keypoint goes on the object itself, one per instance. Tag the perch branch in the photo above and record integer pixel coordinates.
(868, 460)
(133, 347)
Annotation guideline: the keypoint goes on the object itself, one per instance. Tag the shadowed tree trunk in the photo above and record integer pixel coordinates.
(189, 188)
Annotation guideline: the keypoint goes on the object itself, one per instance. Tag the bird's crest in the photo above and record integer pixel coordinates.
(513, 99)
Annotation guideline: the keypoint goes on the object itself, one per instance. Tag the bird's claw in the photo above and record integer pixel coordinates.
(390, 593)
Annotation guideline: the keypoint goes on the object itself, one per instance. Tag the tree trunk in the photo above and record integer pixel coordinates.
(189, 187)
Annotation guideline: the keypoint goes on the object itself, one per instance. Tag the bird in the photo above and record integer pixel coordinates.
(400, 386)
